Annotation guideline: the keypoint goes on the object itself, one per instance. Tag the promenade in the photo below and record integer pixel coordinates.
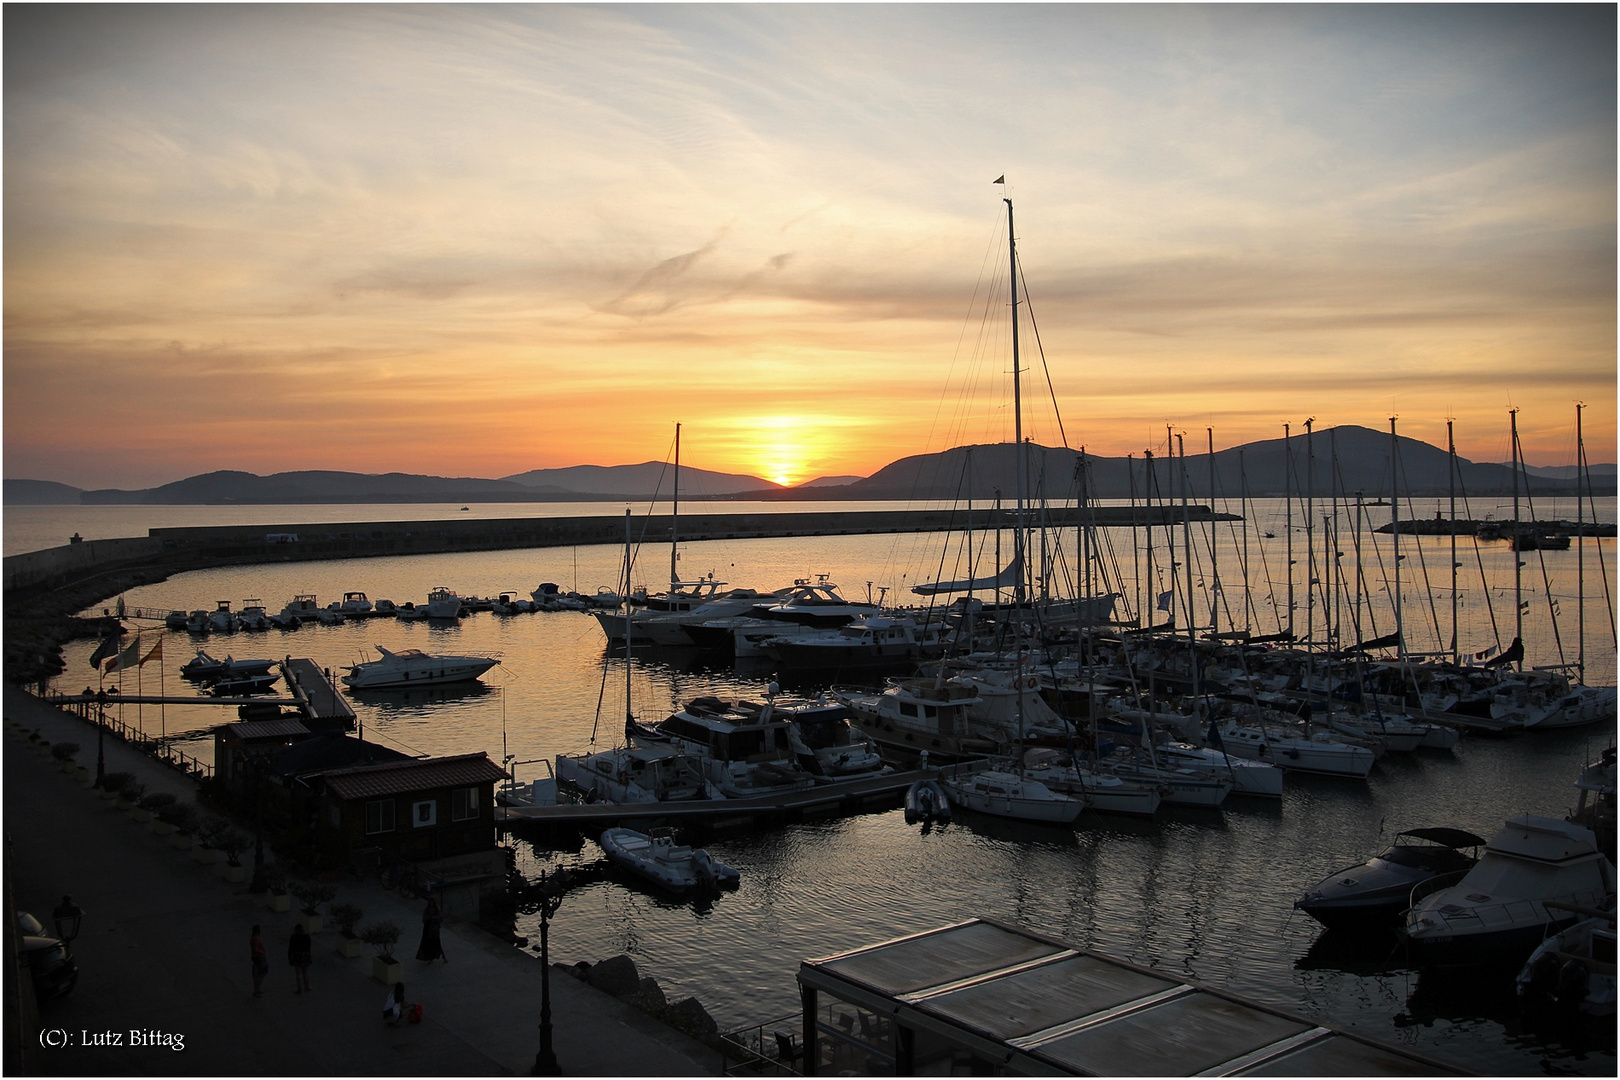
(164, 949)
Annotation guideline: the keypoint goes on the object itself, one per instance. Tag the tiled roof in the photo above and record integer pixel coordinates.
(401, 777)
(248, 730)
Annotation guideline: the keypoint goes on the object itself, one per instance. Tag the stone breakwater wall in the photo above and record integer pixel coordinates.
(179, 549)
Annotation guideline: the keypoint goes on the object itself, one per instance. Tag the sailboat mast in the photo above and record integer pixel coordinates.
(1018, 406)
(1518, 563)
(1580, 551)
(1395, 537)
(1451, 485)
(1288, 522)
(629, 716)
(1310, 538)
(1216, 597)
(1151, 596)
(675, 517)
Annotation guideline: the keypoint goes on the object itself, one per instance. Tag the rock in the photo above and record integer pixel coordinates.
(580, 971)
(616, 975)
(649, 998)
(689, 1016)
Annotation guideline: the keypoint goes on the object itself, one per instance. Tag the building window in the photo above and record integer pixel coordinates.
(425, 813)
(464, 804)
(380, 816)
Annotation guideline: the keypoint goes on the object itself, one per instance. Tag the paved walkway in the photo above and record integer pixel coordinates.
(164, 948)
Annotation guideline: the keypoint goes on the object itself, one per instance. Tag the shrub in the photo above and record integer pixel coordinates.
(346, 915)
(312, 894)
(64, 751)
(232, 842)
(157, 802)
(383, 936)
(182, 816)
(275, 882)
(210, 830)
(115, 781)
(132, 791)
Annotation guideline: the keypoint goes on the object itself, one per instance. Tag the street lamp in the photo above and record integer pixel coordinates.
(67, 917)
(552, 888)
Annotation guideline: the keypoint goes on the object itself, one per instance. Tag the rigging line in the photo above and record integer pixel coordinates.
(1541, 556)
(1484, 583)
(1417, 542)
(1603, 567)
(1029, 306)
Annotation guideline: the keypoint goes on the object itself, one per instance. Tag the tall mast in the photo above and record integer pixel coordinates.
(1580, 550)
(1518, 563)
(1451, 483)
(1186, 555)
(1215, 594)
(1395, 537)
(675, 516)
(1288, 522)
(629, 716)
(1243, 512)
(1018, 405)
(1310, 536)
(1150, 598)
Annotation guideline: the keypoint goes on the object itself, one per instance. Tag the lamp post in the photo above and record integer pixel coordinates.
(552, 888)
(67, 917)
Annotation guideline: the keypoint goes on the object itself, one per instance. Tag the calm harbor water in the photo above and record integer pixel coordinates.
(1207, 895)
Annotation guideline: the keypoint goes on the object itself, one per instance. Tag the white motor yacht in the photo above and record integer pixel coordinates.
(814, 604)
(413, 667)
(1498, 910)
(911, 716)
(354, 605)
(639, 774)
(296, 611)
(443, 604)
(741, 748)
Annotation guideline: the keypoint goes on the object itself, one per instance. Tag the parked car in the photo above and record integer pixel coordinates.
(54, 972)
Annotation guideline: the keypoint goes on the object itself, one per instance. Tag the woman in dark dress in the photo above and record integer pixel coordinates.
(431, 948)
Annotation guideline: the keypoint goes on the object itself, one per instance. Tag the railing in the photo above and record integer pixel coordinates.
(135, 738)
(759, 1050)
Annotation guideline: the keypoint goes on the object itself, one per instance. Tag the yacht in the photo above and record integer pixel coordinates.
(413, 667)
(922, 714)
(869, 641)
(1378, 891)
(814, 604)
(1293, 749)
(683, 598)
(742, 748)
(1499, 909)
(443, 604)
(296, 611)
(638, 774)
(675, 627)
(354, 605)
(1010, 795)
(1248, 777)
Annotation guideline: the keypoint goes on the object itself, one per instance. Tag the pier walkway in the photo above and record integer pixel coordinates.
(164, 948)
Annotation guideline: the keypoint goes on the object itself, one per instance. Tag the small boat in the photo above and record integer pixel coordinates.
(384, 609)
(925, 802)
(175, 620)
(656, 857)
(296, 610)
(1009, 795)
(243, 685)
(1498, 910)
(222, 620)
(202, 666)
(197, 622)
(443, 604)
(413, 667)
(1574, 970)
(354, 605)
(253, 616)
(411, 612)
(1377, 891)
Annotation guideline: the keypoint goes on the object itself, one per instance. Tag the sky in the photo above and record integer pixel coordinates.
(474, 241)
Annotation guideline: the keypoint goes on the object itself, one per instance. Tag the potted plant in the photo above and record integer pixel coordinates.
(184, 819)
(64, 753)
(154, 805)
(205, 842)
(113, 783)
(383, 936)
(275, 887)
(345, 916)
(311, 895)
(130, 799)
(232, 842)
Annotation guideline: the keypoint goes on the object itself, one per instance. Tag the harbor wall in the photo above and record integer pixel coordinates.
(174, 550)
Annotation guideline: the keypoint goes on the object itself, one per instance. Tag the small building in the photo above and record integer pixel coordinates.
(237, 746)
(414, 810)
(983, 998)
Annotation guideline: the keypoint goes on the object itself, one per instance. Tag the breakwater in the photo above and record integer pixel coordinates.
(173, 550)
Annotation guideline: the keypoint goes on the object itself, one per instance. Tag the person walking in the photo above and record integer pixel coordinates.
(298, 955)
(431, 948)
(261, 961)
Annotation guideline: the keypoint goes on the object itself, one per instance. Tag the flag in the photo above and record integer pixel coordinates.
(1164, 600)
(130, 657)
(108, 647)
(155, 654)
(1002, 179)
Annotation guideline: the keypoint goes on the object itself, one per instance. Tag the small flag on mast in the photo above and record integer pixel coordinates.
(130, 657)
(155, 654)
(1002, 179)
(108, 647)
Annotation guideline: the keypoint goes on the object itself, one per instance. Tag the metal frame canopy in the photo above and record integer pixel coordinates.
(992, 998)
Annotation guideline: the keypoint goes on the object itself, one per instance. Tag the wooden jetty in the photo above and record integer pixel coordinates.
(313, 695)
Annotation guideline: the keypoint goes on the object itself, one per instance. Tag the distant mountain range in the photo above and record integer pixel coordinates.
(1345, 459)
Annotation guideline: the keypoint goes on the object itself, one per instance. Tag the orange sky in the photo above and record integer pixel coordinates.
(477, 241)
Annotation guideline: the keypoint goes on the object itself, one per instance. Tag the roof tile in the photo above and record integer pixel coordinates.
(401, 777)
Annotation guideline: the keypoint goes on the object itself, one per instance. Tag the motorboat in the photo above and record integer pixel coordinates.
(1293, 749)
(1376, 892)
(442, 603)
(827, 743)
(1498, 910)
(202, 666)
(922, 714)
(175, 620)
(634, 774)
(411, 612)
(197, 622)
(1009, 795)
(684, 597)
(509, 603)
(675, 627)
(354, 605)
(866, 642)
(296, 611)
(659, 859)
(926, 801)
(413, 667)
(222, 619)
(252, 615)
(1248, 777)
(814, 603)
(243, 685)
(742, 748)
(384, 609)
(1573, 971)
